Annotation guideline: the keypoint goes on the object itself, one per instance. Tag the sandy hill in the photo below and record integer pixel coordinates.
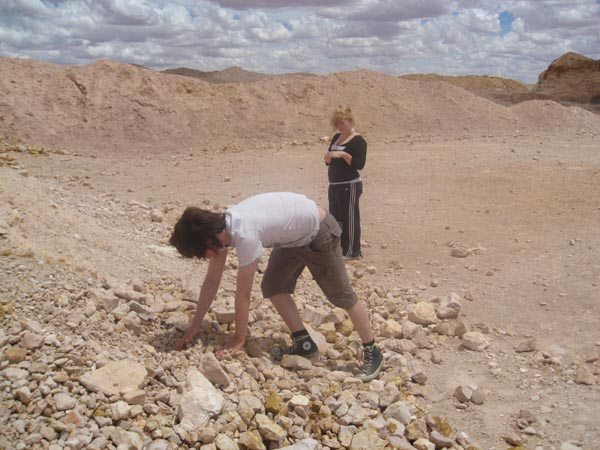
(572, 77)
(112, 106)
(473, 82)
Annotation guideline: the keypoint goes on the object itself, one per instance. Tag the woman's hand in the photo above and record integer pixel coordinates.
(234, 345)
(336, 154)
(340, 154)
(327, 157)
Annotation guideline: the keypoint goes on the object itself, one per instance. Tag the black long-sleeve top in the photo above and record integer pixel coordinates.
(339, 170)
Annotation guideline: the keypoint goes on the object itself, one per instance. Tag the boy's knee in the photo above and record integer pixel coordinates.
(344, 302)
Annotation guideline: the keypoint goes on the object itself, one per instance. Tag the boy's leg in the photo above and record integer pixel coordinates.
(287, 309)
(362, 324)
(279, 281)
(325, 261)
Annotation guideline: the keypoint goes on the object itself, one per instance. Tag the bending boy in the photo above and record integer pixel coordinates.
(301, 235)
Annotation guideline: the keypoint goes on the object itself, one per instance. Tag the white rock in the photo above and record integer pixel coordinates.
(199, 402)
(305, 444)
(64, 402)
(299, 400)
(14, 373)
(115, 377)
(212, 370)
(398, 411)
(120, 410)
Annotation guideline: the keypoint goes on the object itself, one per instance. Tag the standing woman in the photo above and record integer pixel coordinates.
(346, 155)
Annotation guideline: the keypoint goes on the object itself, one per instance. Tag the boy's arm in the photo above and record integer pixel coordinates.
(209, 289)
(245, 278)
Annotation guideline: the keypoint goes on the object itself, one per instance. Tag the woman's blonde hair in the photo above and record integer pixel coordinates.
(341, 113)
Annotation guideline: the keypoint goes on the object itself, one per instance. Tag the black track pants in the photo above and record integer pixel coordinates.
(343, 205)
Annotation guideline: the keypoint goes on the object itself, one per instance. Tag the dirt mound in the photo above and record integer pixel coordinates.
(572, 77)
(108, 106)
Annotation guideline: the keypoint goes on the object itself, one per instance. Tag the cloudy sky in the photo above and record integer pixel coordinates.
(512, 38)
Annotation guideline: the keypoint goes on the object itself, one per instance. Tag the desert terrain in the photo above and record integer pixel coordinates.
(481, 268)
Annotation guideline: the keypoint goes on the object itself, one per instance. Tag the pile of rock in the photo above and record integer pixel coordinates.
(88, 364)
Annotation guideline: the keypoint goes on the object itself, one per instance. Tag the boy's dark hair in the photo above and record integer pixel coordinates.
(196, 231)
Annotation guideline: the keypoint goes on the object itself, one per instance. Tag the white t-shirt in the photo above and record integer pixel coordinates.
(275, 219)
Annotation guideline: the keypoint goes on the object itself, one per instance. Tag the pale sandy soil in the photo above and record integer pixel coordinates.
(525, 200)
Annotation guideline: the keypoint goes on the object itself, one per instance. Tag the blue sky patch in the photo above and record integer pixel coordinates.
(506, 19)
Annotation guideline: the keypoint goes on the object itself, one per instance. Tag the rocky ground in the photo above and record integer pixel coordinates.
(481, 272)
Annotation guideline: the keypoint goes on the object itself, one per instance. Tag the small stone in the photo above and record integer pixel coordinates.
(224, 442)
(15, 355)
(527, 346)
(423, 444)
(299, 400)
(423, 313)
(274, 403)
(475, 341)
(460, 330)
(459, 252)
(295, 362)
(252, 440)
(31, 340)
(137, 397)
(224, 316)
(156, 215)
(64, 402)
(583, 376)
(120, 410)
(398, 411)
(463, 394)
(367, 440)
(440, 440)
(212, 369)
(268, 429)
(478, 397)
(449, 306)
(569, 446)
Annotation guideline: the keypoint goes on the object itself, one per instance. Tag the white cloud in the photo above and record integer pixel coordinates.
(275, 36)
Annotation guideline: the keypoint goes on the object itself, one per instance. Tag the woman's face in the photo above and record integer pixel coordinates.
(344, 126)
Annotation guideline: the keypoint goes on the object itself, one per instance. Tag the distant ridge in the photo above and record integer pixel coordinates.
(230, 75)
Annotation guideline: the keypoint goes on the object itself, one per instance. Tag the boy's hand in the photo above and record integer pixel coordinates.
(188, 337)
(234, 345)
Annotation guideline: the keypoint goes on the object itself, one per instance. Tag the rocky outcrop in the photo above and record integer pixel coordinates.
(572, 77)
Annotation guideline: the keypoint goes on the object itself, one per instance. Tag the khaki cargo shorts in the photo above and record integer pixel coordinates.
(323, 257)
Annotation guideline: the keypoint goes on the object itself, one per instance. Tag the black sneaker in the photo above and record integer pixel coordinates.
(302, 346)
(372, 363)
